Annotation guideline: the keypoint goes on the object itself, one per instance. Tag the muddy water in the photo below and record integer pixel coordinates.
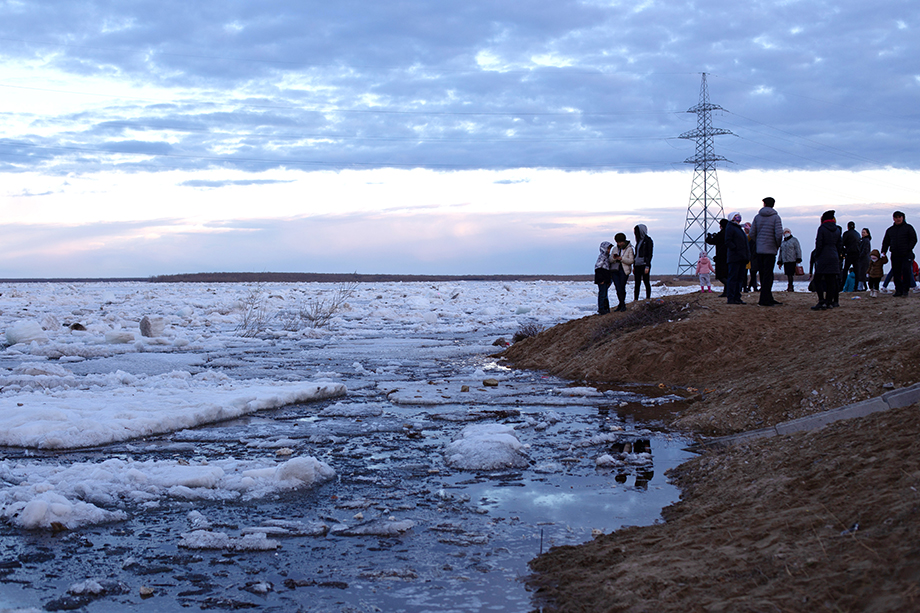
(398, 529)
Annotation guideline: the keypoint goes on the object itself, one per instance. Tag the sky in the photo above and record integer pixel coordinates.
(477, 137)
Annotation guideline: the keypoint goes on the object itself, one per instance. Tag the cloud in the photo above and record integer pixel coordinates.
(228, 183)
(568, 85)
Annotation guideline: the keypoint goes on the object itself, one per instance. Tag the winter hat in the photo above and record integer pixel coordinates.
(735, 217)
(828, 216)
(787, 231)
(768, 201)
(898, 214)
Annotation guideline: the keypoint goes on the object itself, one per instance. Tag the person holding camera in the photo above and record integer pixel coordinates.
(622, 257)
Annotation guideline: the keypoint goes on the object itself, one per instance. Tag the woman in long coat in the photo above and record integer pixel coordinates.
(828, 247)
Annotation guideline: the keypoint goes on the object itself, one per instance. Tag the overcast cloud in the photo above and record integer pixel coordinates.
(216, 94)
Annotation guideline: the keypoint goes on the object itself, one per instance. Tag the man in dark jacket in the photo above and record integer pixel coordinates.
(850, 253)
(718, 239)
(737, 256)
(901, 239)
(766, 236)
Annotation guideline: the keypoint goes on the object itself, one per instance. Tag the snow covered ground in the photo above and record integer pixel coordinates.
(244, 419)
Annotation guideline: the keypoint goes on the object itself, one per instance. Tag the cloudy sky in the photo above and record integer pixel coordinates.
(482, 137)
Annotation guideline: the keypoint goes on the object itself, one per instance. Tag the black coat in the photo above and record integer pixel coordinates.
(850, 244)
(828, 247)
(718, 240)
(736, 244)
(901, 239)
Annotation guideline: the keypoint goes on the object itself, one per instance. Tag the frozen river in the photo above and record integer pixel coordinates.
(176, 446)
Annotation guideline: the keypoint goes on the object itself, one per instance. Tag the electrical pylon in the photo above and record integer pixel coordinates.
(705, 208)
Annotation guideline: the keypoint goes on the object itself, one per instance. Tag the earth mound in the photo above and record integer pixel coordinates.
(822, 520)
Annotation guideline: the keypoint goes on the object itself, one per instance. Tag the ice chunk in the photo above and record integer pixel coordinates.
(486, 447)
(25, 331)
(203, 539)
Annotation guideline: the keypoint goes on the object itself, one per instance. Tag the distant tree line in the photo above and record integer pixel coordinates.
(319, 277)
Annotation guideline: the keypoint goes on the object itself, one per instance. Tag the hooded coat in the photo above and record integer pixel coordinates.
(876, 268)
(602, 265)
(704, 265)
(644, 246)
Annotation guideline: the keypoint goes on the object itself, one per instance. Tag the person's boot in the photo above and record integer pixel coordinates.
(821, 306)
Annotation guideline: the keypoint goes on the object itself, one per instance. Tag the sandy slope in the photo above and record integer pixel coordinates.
(759, 527)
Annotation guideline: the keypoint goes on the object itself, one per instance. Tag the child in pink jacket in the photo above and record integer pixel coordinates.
(704, 269)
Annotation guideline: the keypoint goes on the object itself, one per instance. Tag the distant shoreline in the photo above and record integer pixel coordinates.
(314, 277)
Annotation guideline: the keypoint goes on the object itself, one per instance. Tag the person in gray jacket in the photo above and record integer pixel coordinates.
(790, 256)
(766, 238)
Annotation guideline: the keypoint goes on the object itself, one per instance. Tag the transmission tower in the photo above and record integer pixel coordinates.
(705, 208)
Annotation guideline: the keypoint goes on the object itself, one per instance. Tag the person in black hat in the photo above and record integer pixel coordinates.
(828, 246)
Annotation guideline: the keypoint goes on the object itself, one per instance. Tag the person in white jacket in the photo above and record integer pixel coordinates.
(622, 257)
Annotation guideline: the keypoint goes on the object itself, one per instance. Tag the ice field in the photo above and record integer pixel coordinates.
(309, 447)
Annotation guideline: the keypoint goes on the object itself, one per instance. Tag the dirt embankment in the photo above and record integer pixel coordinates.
(750, 366)
(820, 521)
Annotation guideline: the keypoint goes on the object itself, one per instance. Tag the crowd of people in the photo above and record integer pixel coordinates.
(840, 261)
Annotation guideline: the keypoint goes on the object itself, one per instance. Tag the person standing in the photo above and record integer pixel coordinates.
(790, 256)
(602, 278)
(901, 238)
(767, 237)
(750, 281)
(704, 269)
(876, 271)
(864, 260)
(718, 240)
(643, 265)
(850, 253)
(737, 256)
(828, 246)
(621, 261)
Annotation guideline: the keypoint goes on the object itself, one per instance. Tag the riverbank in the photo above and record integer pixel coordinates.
(825, 520)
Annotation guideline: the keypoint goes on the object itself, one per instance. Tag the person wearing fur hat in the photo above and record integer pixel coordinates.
(621, 261)
(876, 271)
(737, 256)
(828, 247)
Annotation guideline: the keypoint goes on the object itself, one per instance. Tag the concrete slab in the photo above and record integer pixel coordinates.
(891, 400)
(902, 397)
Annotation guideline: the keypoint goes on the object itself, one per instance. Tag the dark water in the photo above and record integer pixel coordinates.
(472, 532)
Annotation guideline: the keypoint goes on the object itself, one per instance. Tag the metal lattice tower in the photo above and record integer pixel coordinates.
(705, 208)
